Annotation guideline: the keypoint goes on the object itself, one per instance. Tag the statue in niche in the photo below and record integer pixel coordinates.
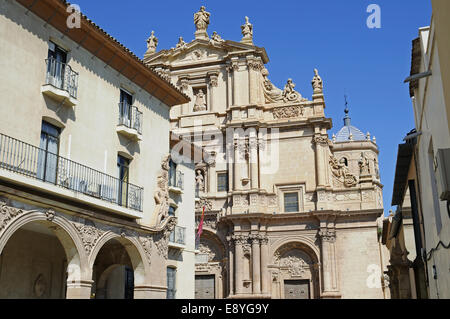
(201, 19)
(152, 43)
(364, 164)
(200, 101)
(200, 181)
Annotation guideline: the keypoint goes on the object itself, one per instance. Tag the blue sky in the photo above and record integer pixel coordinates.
(369, 65)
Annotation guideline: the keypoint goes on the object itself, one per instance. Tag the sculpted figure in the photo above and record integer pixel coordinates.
(317, 82)
(289, 94)
(199, 180)
(364, 164)
(181, 43)
(216, 37)
(200, 102)
(152, 43)
(201, 19)
(247, 29)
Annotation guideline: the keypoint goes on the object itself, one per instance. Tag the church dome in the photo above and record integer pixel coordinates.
(349, 132)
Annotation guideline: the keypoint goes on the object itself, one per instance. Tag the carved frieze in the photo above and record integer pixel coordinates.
(89, 235)
(8, 213)
(288, 112)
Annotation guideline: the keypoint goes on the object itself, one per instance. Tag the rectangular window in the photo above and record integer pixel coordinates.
(291, 202)
(56, 66)
(222, 182)
(171, 282)
(126, 101)
(123, 165)
(48, 153)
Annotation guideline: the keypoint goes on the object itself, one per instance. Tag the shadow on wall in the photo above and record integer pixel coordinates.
(85, 58)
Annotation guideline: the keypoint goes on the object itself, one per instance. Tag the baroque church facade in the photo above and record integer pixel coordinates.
(289, 211)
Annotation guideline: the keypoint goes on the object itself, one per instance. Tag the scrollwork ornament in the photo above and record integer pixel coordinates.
(8, 213)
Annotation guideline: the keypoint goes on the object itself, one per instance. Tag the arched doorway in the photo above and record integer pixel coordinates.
(210, 268)
(295, 272)
(117, 269)
(38, 258)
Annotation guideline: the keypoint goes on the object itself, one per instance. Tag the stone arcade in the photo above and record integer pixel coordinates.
(308, 227)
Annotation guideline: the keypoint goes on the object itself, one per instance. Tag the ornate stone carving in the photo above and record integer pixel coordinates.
(161, 195)
(152, 43)
(255, 65)
(89, 236)
(50, 214)
(320, 140)
(317, 82)
(341, 172)
(364, 164)
(204, 249)
(181, 44)
(199, 181)
(200, 101)
(289, 94)
(214, 79)
(247, 32)
(161, 239)
(146, 243)
(203, 202)
(215, 38)
(327, 235)
(201, 20)
(7, 213)
(288, 112)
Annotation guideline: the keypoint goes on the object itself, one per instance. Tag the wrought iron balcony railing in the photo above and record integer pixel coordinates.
(176, 179)
(130, 116)
(61, 76)
(178, 235)
(37, 163)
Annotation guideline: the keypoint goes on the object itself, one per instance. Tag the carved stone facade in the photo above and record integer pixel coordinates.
(287, 181)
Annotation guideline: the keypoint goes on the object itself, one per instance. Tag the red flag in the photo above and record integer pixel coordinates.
(200, 226)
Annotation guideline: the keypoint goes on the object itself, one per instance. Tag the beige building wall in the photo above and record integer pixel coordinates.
(431, 120)
(82, 223)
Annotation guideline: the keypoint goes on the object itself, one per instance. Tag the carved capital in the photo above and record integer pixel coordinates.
(321, 140)
(327, 235)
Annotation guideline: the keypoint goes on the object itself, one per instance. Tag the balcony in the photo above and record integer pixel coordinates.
(177, 237)
(61, 82)
(130, 122)
(176, 181)
(63, 177)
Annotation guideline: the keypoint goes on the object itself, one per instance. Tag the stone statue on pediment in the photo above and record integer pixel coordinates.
(247, 32)
(152, 43)
(201, 20)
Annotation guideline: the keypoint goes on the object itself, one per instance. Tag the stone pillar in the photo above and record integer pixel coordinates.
(229, 85)
(80, 289)
(256, 280)
(264, 263)
(235, 68)
(254, 167)
(231, 265)
(239, 254)
(254, 66)
(237, 166)
(321, 143)
(213, 84)
(329, 266)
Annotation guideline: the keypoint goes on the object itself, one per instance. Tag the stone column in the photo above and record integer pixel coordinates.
(321, 142)
(239, 254)
(231, 265)
(256, 280)
(264, 263)
(213, 83)
(329, 267)
(254, 66)
(254, 167)
(235, 68)
(80, 289)
(229, 85)
(237, 166)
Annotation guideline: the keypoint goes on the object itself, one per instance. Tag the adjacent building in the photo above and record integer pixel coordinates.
(422, 181)
(289, 212)
(84, 162)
